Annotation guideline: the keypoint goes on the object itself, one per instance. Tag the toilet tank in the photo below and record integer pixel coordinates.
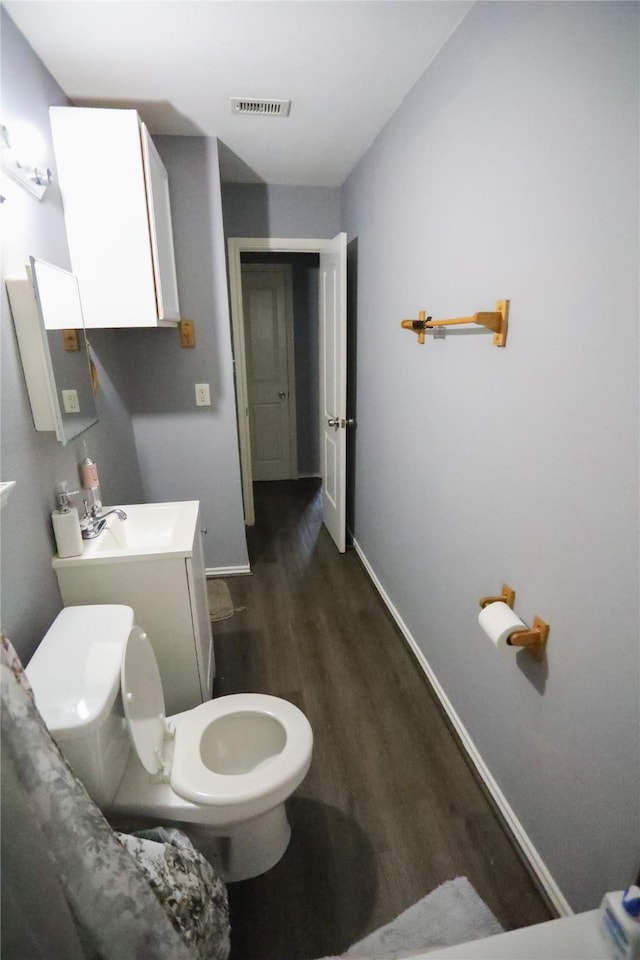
(75, 675)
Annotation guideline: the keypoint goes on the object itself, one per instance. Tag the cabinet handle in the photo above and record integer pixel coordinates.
(203, 530)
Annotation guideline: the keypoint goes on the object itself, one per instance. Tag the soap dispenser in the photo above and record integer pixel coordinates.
(620, 922)
(66, 523)
(90, 481)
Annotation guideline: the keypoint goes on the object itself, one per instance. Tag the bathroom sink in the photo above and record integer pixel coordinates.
(151, 529)
(148, 526)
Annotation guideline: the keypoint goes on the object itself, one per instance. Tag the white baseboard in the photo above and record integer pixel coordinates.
(529, 851)
(240, 571)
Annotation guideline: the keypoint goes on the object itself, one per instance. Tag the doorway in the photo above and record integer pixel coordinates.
(300, 271)
(332, 381)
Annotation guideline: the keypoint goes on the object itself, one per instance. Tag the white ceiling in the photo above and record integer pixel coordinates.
(345, 65)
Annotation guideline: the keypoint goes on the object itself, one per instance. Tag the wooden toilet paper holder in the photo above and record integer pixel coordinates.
(535, 639)
(508, 596)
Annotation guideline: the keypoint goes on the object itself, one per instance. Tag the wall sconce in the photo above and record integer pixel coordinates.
(35, 179)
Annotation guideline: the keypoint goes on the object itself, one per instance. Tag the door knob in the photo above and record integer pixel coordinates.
(337, 422)
(282, 394)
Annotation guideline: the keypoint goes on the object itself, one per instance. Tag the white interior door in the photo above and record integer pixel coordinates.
(333, 385)
(266, 302)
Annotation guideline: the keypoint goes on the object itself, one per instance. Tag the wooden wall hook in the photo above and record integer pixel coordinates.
(187, 333)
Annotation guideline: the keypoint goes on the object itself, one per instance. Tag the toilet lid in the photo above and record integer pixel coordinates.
(143, 699)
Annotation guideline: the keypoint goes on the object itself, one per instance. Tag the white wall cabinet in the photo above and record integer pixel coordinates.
(169, 599)
(115, 193)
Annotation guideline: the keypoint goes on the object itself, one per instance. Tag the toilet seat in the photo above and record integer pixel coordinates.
(194, 780)
(279, 764)
(143, 700)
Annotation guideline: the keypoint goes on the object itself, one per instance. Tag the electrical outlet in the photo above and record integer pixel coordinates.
(203, 397)
(70, 401)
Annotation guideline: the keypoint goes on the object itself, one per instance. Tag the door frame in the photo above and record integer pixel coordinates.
(333, 387)
(235, 247)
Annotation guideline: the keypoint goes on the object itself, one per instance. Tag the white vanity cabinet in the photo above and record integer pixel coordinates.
(165, 585)
(115, 193)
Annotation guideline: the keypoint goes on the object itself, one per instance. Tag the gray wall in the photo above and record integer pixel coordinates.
(151, 442)
(30, 596)
(307, 349)
(261, 210)
(511, 171)
(188, 452)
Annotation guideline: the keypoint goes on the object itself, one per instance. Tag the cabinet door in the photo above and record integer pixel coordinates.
(196, 577)
(104, 186)
(160, 593)
(160, 229)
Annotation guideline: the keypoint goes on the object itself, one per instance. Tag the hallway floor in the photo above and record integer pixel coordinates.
(390, 809)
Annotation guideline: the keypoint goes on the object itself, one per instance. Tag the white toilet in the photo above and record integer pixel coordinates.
(224, 767)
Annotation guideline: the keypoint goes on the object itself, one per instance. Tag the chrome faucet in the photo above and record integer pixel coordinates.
(121, 515)
(94, 521)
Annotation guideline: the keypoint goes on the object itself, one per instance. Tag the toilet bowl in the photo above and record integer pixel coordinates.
(222, 770)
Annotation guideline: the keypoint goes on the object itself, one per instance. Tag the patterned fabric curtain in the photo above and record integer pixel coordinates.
(70, 887)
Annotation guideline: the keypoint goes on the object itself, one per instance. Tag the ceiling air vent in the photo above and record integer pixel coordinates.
(261, 108)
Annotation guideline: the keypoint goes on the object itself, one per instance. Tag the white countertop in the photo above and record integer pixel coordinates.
(151, 530)
(569, 938)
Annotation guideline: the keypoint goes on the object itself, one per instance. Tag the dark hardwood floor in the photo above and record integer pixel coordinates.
(390, 808)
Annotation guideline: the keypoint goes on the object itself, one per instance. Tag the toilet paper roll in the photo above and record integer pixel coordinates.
(498, 621)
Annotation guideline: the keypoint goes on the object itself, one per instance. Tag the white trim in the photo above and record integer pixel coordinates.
(240, 571)
(276, 244)
(240, 371)
(529, 851)
(235, 247)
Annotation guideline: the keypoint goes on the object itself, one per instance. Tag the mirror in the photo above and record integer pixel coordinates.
(47, 314)
(58, 298)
